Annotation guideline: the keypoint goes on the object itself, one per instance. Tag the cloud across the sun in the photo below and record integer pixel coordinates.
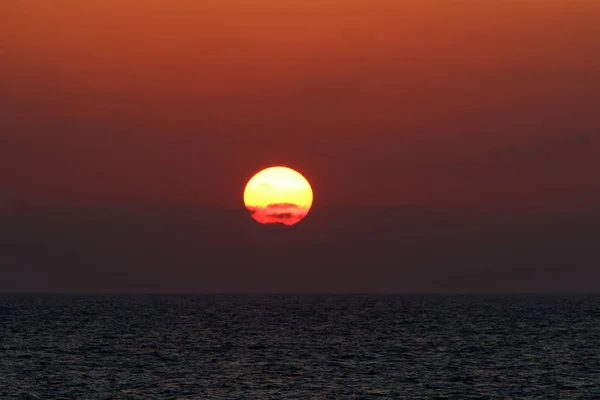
(282, 213)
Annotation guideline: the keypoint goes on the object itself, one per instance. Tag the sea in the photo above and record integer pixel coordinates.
(470, 346)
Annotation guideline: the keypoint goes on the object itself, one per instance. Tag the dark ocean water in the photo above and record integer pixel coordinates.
(300, 347)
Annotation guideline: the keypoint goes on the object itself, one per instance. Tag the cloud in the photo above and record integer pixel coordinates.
(280, 206)
(284, 213)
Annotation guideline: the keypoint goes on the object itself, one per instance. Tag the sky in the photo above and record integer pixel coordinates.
(429, 103)
(377, 102)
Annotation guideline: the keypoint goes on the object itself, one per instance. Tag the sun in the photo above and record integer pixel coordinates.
(278, 195)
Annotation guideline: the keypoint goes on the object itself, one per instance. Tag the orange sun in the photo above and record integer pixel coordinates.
(278, 195)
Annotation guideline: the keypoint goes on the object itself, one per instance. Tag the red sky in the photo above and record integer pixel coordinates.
(377, 102)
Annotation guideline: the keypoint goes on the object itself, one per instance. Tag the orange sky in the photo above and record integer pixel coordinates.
(376, 102)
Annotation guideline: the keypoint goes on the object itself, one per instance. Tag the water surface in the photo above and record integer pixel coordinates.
(300, 347)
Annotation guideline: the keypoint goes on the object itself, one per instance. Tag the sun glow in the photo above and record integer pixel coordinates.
(278, 195)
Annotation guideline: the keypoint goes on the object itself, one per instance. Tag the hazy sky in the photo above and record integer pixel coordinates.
(384, 102)
(112, 109)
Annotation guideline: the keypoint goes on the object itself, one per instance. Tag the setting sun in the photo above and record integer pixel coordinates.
(278, 195)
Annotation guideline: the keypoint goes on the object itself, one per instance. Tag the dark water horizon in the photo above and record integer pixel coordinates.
(300, 346)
